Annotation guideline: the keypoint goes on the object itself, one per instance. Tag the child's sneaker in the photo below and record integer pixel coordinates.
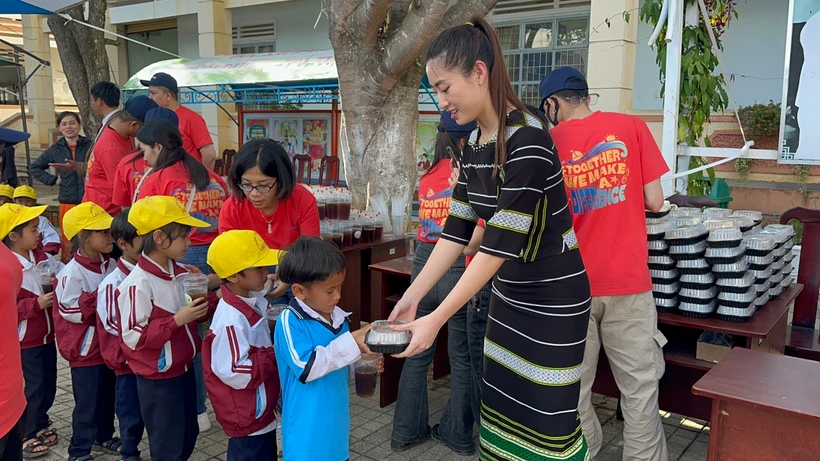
(204, 422)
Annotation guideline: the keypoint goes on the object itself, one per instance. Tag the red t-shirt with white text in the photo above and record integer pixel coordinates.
(607, 159)
(434, 201)
(194, 130)
(128, 176)
(110, 149)
(175, 181)
(296, 216)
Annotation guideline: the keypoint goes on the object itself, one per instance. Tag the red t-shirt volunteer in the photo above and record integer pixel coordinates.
(434, 201)
(110, 149)
(194, 130)
(128, 176)
(12, 396)
(607, 159)
(296, 216)
(175, 181)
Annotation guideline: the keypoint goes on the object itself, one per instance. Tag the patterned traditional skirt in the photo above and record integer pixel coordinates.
(532, 361)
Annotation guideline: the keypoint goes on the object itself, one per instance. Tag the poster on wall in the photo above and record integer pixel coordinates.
(426, 142)
(800, 119)
(285, 133)
(314, 139)
(257, 128)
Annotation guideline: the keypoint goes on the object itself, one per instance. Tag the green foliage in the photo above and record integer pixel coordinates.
(802, 173)
(702, 89)
(743, 165)
(760, 119)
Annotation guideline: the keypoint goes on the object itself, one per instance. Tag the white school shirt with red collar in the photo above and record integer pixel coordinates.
(108, 321)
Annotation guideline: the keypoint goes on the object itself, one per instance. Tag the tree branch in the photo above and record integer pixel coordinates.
(112, 42)
(398, 11)
(369, 17)
(462, 11)
(413, 35)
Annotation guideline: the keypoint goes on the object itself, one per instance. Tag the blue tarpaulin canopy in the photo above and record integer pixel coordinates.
(35, 6)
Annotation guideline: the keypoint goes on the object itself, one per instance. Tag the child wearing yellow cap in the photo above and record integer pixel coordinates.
(237, 354)
(88, 227)
(6, 194)
(18, 231)
(49, 238)
(159, 329)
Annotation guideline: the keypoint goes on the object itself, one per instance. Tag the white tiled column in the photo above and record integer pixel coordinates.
(39, 89)
(214, 21)
(611, 58)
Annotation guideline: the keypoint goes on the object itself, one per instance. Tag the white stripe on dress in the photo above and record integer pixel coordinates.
(528, 157)
(573, 410)
(562, 209)
(560, 306)
(532, 146)
(543, 343)
(564, 277)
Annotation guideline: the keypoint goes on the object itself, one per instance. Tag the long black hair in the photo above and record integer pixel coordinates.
(445, 140)
(164, 133)
(271, 159)
(459, 48)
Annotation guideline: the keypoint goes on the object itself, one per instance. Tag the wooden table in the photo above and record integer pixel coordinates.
(765, 331)
(764, 407)
(357, 297)
(393, 278)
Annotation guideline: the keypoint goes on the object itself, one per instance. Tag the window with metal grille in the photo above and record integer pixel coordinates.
(532, 49)
(254, 38)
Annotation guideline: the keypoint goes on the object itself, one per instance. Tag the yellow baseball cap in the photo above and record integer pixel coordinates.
(237, 250)
(85, 216)
(12, 215)
(151, 213)
(25, 192)
(6, 191)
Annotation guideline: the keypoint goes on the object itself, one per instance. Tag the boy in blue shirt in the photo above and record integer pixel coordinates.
(314, 347)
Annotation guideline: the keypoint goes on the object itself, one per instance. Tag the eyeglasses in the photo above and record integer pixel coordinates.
(247, 188)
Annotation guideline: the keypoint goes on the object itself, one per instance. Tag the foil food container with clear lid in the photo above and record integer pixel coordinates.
(664, 275)
(737, 284)
(728, 298)
(725, 255)
(756, 216)
(715, 212)
(763, 286)
(662, 262)
(784, 228)
(759, 262)
(746, 223)
(685, 211)
(716, 224)
(776, 278)
(762, 299)
(666, 304)
(735, 314)
(725, 238)
(786, 282)
(778, 266)
(759, 245)
(780, 252)
(666, 208)
(692, 251)
(761, 274)
(657, 231)
(696, 310)
(779, 235)
(683, 235)
(732, 270)
(697, 295)
(383, 339)
(665, 290)
(697, 281)
(775, 291)
(694, 266)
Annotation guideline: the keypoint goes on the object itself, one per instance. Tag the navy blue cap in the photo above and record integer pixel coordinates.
(556, 81)
(138, 106)
(162, 113)
(450, 125)
(11, 137)
(162, 79)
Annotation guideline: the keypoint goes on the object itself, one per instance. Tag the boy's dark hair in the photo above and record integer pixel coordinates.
(271, 159)
(18, 229)
(572, 93)
(108, 92)
(310, 260)
(126, 117)
(65, 114)
(172, 230)
(122, 229)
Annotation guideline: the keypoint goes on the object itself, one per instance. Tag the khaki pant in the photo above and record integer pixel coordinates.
(627, 328)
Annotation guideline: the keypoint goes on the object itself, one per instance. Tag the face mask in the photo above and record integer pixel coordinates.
(553, 118)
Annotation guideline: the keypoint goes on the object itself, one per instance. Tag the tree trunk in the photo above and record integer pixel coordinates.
(378, 45)
(82, 52)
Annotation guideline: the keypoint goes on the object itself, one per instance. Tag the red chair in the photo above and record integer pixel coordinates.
(329, 171)
(302, 164)
(228, 156)
(802, 340)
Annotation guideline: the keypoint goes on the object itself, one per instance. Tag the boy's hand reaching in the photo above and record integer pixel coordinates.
(192, 312)
(359, 335)
(45, 301)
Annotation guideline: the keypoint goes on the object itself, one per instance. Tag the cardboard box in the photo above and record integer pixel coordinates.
(712, 352)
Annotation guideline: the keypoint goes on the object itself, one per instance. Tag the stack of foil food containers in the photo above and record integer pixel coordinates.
(687, 247)
(759, 255)
(726, 254)
(782, 257)
(665, 286)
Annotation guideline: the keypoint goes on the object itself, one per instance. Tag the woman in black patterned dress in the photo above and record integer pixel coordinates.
(510, 177)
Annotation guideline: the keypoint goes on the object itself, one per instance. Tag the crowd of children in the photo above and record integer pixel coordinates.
(128, 331)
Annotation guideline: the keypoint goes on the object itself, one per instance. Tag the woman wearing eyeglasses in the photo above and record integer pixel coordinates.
(266, 198)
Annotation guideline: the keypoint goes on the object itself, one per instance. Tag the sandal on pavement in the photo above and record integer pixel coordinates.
(33, 448)
(111, 447)
(47, 437)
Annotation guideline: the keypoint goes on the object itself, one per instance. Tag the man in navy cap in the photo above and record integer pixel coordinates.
(115, 142)
(612, 168)
(196, 139)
